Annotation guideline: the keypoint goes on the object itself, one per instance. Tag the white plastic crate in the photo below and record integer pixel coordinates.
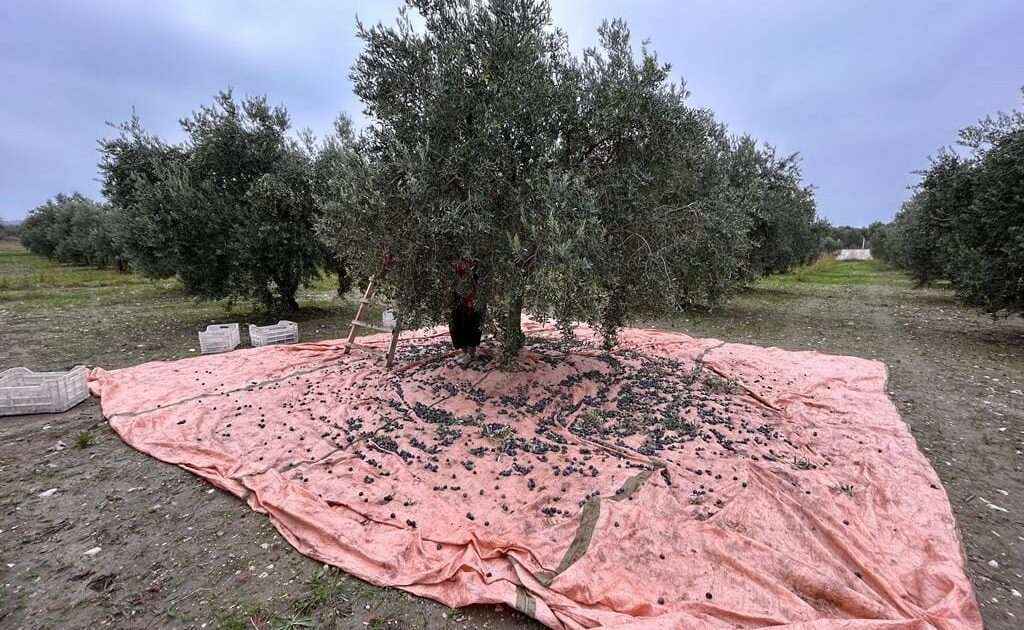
(283, 331)
(23, 391)
(219, 338)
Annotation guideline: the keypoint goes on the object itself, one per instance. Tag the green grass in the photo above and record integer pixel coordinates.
(21, 269)
(322, 605)
(56, 315)
(762, 292)
(29, 278)
(324, 586)
(84, 439)
(842, 273)
(240, 618)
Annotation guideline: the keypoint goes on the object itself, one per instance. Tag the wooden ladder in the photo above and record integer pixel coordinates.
(357, 323)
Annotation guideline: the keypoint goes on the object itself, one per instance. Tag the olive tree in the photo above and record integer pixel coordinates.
(77, 230)
(666, 238)
(585, 188)
(139, 174)
(784, 230)
(38, 232)
(986, 261)
(231, 210)
(965, 219)
(9, 230)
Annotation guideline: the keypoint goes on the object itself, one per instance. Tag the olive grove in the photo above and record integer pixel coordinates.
(584, 187)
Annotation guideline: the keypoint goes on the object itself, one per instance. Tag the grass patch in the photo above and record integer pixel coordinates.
(322, 605)
(764, 291)
(84, 439)
(325, 587)
(290, 622)
(241, 618)
(847, 272)
(21, 269)
(56, 316)
(822, 264)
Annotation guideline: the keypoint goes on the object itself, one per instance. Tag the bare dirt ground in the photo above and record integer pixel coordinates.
(174, 553)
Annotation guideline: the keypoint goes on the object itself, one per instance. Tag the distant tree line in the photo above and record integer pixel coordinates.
(849, 237)
(585, 187)
(10, 230)
(964, 221)
(77, 230)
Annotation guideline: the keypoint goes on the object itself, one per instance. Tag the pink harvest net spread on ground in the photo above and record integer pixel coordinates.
(672, 483)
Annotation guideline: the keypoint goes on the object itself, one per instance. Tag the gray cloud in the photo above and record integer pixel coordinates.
(865, 91)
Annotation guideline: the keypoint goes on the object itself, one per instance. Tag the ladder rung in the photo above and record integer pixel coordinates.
(365, 301)
(356, 322)
(359, 346)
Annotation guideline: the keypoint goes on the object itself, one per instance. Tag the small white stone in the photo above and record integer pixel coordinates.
(993, 564)
(92, 552)
(48, 493)
(1013, 591)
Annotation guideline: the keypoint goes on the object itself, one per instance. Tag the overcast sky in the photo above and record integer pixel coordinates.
(864, 90)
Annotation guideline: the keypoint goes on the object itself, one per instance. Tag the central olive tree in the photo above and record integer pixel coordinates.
(584, 186)
(459, 159)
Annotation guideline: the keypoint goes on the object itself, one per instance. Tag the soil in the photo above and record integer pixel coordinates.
(176, 553)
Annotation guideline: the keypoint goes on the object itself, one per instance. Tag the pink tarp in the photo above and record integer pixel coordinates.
(674, 483)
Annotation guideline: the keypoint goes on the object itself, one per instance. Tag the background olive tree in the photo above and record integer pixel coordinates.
(642, 159)
(77, 230)
(965, 219)
(230, 211)
(10, 230)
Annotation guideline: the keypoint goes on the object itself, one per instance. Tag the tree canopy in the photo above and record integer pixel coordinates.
(230, 210)
(585, 187)
(965, 219)
(75, 229)
(9, 230)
